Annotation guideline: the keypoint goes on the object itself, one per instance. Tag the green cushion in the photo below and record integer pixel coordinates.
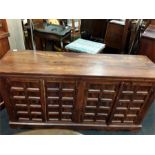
(85, 46)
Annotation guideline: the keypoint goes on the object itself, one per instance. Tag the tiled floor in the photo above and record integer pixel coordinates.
(147, 129)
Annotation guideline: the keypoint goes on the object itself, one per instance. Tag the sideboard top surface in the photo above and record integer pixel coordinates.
(76, 64)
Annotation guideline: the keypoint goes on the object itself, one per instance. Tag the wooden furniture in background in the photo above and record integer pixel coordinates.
(38, 21)
(93, 29)
(114, 34)
(123, 35)
(147, 43)
(4, 46)
(4, 43)
(3, 25)
(126, 36)
(76, 28)
(44, 32)
(152, 21)
(78, 91)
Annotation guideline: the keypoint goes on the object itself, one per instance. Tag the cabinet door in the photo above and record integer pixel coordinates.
(26, 99)
(60, 99)
(132, 102)
(99, 100)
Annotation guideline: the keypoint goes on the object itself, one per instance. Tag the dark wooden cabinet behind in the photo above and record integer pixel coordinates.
(147, 43)
(4, 43)
(54, 93)
(95, 27)
(4, 46)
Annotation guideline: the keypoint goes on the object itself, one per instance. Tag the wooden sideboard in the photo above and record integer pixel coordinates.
(77, 91)
(147, 43)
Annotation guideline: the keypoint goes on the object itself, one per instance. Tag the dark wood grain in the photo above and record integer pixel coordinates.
(78, 91)
(77, 64)
(3, 25)
(147, 43)
(114, 34)
(96, 28)
(4, 43)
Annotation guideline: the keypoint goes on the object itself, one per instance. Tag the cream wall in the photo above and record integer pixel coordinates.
(16, 38)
